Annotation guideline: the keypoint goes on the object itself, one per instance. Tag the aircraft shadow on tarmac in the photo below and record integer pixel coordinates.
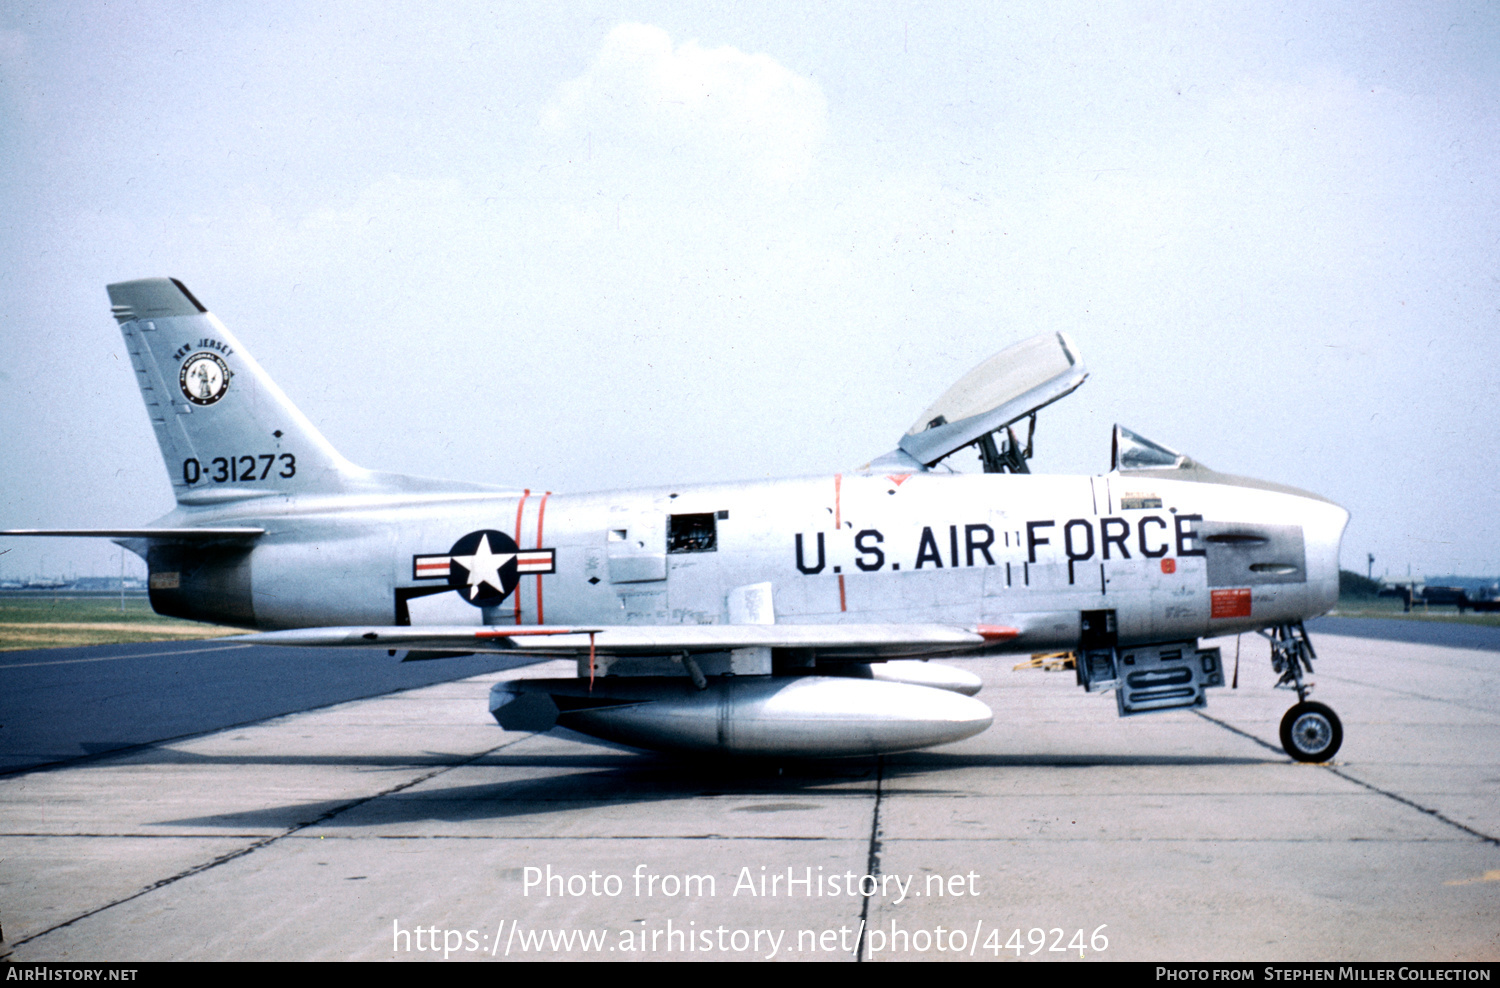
(611, 779)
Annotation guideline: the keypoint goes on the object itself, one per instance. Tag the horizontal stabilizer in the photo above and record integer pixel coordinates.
(853, 639)
(166, 534)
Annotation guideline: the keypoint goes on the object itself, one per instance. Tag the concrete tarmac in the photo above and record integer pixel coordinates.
(409, 826)
(61, 705)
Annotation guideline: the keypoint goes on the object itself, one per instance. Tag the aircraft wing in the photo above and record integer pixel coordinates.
(852, 639)
(168, 534)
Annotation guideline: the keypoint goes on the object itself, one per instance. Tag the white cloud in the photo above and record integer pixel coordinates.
(716, 106)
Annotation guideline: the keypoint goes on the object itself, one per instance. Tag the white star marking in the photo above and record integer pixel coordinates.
(484, 567)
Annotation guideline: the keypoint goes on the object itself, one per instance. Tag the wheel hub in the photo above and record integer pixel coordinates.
(1313, 732)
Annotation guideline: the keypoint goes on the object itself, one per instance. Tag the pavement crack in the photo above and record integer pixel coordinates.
(265, 842)
(872, 862)
(1436, 815)
(1414, 805)
(1244, 734)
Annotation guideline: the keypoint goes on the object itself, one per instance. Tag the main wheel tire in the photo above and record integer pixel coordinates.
(1311, 732)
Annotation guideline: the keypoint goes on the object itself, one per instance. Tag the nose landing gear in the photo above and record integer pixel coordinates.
(1310, 732)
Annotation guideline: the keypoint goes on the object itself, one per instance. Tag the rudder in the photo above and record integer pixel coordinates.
(225, 429)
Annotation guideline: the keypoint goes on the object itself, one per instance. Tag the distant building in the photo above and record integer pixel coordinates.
(1463, 592)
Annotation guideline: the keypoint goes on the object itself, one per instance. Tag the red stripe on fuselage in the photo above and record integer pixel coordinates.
(541, 512)
(520, 507)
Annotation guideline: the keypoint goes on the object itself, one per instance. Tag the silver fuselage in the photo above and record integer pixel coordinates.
(1172, 559)
(734, 618)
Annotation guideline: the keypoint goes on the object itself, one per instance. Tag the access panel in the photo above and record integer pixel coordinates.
(1166, 677)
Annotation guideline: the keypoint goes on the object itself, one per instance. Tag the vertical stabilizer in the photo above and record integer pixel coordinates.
(226, 430)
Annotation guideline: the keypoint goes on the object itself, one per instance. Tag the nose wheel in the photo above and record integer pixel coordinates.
(1310, 732)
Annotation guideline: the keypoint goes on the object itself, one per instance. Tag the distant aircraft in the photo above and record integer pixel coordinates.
(768, 618)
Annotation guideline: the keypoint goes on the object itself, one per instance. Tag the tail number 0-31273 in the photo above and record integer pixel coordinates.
(223, 469)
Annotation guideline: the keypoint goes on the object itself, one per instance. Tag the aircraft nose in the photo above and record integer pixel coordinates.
(1323, 524)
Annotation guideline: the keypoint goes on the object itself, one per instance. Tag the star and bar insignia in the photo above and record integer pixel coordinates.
(484, 566)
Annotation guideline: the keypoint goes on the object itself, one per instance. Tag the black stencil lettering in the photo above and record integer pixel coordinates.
(1074, 555)
(927, 550)
(869, 550)
(801, 565)
(973, 544)
(1186, 535)
(1032, 541)
(1105, 538)
(1140, 528)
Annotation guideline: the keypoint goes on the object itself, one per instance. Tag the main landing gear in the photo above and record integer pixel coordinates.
(1310, 732)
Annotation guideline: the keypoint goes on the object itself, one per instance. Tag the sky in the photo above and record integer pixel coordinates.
(587, 246)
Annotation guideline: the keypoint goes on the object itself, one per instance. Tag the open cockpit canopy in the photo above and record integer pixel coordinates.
(1012, 385)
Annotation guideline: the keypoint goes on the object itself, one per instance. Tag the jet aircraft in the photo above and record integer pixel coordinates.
(770, 618)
